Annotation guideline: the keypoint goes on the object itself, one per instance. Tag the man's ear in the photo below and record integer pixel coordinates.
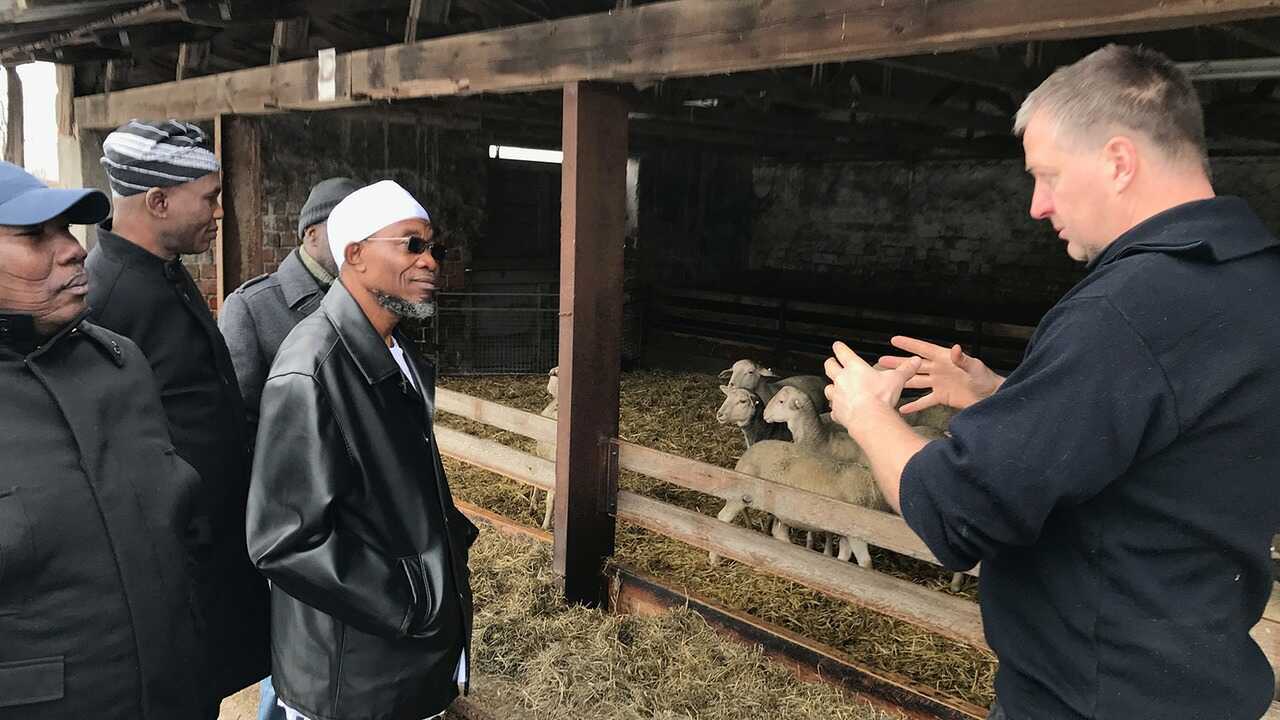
(353, 255)
(1121, 155)
(157, 202)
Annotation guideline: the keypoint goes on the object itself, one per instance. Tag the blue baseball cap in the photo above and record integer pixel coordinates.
(24, 200)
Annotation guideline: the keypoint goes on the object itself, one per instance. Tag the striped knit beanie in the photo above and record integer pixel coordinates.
(142, 154)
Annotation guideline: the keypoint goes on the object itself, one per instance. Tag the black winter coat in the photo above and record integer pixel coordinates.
(157, 305)
(1120, 488)
(351, 519)
(96, 618)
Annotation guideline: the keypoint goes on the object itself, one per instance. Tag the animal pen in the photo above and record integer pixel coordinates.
(599, 79)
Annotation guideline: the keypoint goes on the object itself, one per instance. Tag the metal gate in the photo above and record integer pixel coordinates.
(496, 333)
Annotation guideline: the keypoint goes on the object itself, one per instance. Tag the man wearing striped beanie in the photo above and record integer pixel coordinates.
(165, 185)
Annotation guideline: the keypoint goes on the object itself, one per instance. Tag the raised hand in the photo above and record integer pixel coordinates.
(858, 389)
(955, 378)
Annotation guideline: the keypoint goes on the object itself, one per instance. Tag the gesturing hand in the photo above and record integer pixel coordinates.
(859, 390)
(956, 379)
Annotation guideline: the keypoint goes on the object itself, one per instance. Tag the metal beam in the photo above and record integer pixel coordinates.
(592, 234)
(1216, 70)
(1250, 36)
(967, 69)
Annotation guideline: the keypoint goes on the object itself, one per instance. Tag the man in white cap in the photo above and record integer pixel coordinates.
(349, 515)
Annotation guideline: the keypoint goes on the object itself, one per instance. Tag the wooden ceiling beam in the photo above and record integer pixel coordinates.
(668, 39)
(289, 40)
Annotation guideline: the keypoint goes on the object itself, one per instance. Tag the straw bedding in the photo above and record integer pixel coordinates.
(538, 658)
(675, 412)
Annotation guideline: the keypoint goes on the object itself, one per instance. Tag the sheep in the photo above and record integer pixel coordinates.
(744, 408)
(749, 375)
(793, 408)
(788, 464)
(937, 417)
(547, 450)
(826, 437)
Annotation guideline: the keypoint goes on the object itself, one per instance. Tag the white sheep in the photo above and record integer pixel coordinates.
(794, 408)
(788, 464)
(547, 450)
(745, 409)
(823, 436)
(762, 381)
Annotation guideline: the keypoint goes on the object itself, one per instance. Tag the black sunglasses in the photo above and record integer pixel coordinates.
(416, 245)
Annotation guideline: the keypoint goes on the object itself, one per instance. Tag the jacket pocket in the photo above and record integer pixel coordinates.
(25, 682)
(16, 552)
(422, 599)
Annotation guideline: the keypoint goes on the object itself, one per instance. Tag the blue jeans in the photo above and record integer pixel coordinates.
(997, 712)
(268, 709)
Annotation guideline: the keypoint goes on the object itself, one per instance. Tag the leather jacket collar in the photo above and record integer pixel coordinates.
(364, 343)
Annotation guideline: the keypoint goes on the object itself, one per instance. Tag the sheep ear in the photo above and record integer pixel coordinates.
(725, 374)
(795, 403)
(724, 389)
(768, 372)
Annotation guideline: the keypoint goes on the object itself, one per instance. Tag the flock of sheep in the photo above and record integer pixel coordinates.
(790, 440)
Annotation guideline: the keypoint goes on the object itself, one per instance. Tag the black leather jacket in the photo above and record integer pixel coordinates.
(351, 519)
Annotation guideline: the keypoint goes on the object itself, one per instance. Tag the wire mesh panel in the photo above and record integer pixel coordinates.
(496, 333)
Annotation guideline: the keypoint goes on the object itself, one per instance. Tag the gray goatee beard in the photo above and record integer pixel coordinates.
(405, 309)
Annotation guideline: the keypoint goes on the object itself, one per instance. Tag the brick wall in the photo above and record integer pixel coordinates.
(940, 236)
(444, 169)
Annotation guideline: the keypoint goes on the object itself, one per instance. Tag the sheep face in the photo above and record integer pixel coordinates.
(553, 383)
(739, 407)
(748, 374)
(786, 404)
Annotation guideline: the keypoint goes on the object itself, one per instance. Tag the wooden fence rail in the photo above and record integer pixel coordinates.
(878, 528)
(897, 598)
(939, 613)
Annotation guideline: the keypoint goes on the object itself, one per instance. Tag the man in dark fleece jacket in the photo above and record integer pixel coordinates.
(1120, 487)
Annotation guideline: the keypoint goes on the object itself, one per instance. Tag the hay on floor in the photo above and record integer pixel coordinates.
(536, 657)
(675, 412)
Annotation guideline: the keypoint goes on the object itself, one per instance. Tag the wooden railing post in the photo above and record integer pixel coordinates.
(593, 187)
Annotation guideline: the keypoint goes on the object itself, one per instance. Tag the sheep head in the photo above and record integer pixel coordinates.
(788, 403)
(553, 383)
(748, 374)
(739, 407)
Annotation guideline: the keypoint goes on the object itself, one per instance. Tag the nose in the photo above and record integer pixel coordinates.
(69, 251)
(426, 260)
(217, 209)
(1041, 203)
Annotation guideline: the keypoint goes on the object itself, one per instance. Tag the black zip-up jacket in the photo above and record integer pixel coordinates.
(96, 617)
(351, 519)
(1122, 487)
(157, 305)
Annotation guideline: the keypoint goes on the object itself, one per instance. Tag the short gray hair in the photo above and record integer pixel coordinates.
(1130, 88)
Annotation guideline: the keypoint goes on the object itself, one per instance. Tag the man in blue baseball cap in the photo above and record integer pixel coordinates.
(95, 616)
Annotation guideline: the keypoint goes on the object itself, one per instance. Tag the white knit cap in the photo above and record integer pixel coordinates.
(368, 210)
